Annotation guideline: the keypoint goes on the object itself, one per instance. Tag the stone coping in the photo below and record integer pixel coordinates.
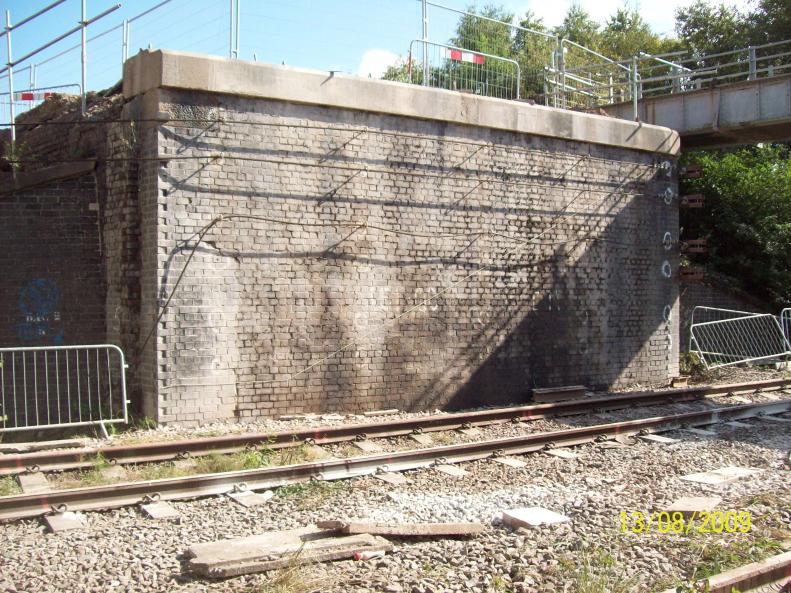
(196, 72)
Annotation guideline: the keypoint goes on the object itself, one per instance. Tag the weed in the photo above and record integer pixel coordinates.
(716, 557)
(314, 493)
(443, 438)
(289, 579)
(691, 364)
(596, 571)
(498, 585)
(143, 423)
(9, 486)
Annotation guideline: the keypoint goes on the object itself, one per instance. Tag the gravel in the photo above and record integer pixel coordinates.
(123, 551)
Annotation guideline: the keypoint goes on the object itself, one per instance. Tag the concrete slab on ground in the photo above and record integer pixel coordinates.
(771, 418)
(404, 529)
(160, 510)
(471, 432)
(319, 453)
(114, 472)
(375, 413)
(563, 453)
(65, 521)
(367, 446)
(700, 432)
(735, 424)
(451, 470)
(249, 499)
(422, 439)
(33, 482)
(721, 476)
(692, 505)
(392, 478)
(41, 446)
(514, 462)
(658, 438)
(531, 517)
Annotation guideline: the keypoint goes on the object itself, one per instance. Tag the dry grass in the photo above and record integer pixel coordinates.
(294, 578)
(596, 571)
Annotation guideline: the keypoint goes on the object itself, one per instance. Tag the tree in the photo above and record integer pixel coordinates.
(706, 29)
(533, 51)
(580, 28)
(626, 34)
(403, 71)
(747, 217)
(483, 35)
(771, 21)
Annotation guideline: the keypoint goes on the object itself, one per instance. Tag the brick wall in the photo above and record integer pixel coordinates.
(542, 260)
(52, 289)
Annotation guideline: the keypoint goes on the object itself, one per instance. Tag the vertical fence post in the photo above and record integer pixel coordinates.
(424, 8)
(84, 60)
(125, 42)
(562, 67)
(634, 88)
(610, 92)
(238, 12)
(10, 82)
(230, 31)
(752, 67)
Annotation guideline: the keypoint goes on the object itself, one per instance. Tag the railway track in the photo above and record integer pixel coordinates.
(71, 459)
(124, 494)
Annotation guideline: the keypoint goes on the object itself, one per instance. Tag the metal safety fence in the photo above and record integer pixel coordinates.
(727, 337)
(454, 68)
(785, 322)
(59, 386)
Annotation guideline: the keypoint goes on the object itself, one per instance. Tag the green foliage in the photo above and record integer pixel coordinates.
(691, 365)
(717, 557)
(402, 71)
(746, 218)
(9, 486)
(771, 21)
(596, 571)
(706, 29)
(580, 28)
(626, 34)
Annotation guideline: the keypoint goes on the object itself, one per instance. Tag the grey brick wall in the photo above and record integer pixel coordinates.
(542, 260)
(52, 288)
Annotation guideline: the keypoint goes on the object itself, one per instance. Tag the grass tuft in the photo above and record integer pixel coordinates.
(9, 486)
(596, 571)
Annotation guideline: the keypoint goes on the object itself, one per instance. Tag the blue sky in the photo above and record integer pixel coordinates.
(356, 36)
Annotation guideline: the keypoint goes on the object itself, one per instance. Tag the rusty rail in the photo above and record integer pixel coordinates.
(130, 493)
(173, 450)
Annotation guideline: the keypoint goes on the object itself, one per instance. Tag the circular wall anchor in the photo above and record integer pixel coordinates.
(667, 270)
(667, 241)
(668, 195)
(667, 313)
(666, 167)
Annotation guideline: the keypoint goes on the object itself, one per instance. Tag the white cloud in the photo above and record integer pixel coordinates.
(375, 61)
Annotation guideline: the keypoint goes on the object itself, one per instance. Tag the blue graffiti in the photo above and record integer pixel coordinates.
(39, 303)
(39, 297)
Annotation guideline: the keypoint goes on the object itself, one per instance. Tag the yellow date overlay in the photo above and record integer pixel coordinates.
(677, 523)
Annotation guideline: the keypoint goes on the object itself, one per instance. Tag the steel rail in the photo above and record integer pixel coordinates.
(130, 493)
(69, 459)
